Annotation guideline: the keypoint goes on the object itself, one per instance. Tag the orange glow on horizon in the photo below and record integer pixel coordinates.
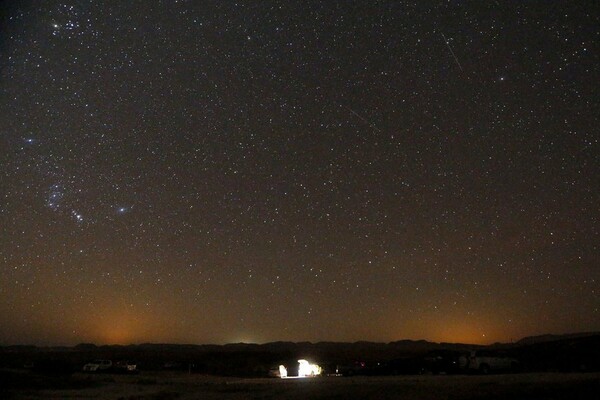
(121, 328)
(465, 333)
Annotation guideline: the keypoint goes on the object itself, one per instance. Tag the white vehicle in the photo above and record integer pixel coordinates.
(486, 361)
(125, 367)
(98, 366)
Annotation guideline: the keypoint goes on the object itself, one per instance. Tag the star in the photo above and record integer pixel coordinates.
(78, 217)
(292, 153)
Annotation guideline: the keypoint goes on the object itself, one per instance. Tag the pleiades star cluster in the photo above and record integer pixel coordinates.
(226, 171)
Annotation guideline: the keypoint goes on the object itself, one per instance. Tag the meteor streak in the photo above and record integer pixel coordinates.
(452, 51)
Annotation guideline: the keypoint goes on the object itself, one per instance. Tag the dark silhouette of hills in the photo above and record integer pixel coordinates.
(571, 352)
(552, 338)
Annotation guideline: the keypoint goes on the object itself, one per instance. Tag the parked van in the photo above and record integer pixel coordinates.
(487, 361)
(98, 366)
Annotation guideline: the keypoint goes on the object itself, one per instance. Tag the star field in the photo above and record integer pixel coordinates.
(211, 172)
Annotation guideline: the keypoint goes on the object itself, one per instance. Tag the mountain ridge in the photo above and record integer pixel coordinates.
(420, 343)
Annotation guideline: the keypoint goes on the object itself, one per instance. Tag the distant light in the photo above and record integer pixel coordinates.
(306, 369)
(282, 372)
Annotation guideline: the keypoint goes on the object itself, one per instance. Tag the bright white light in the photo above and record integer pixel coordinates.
(307, 369)
(282, 372)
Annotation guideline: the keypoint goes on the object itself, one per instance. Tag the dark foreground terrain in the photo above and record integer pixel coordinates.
(543, 367)
(178, 385)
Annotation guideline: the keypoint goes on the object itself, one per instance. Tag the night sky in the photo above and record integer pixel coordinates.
(219, 171)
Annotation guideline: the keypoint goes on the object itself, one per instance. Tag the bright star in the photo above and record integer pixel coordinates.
(77, 216)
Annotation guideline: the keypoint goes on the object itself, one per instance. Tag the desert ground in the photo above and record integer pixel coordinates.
(168, 385)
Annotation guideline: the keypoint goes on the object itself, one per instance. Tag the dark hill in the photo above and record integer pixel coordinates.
(552, 338)
(574, 352)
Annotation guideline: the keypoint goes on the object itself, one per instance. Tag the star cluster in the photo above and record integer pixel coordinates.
(252, 171)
